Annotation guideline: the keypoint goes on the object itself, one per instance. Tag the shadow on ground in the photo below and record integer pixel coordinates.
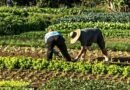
(121, 59)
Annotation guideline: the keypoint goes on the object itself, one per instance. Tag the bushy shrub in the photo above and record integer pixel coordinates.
(15, 24)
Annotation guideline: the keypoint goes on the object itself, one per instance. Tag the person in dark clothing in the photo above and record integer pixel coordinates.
(9, 3)
(52, 39)
(86, 37)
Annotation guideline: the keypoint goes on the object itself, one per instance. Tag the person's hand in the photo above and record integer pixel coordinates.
(76, 58)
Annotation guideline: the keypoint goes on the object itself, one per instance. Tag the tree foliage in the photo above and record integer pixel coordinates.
(114, 5)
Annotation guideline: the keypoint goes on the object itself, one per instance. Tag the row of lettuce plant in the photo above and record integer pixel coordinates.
(12, 83)
(102, 25)
(40, 64)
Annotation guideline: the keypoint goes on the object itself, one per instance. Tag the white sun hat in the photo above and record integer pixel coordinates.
(74, 36)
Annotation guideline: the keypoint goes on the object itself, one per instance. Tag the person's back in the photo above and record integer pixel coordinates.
(50, 34)
(89, 36)
(86, 37)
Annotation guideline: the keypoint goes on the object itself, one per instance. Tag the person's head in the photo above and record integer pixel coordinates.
(74, 36)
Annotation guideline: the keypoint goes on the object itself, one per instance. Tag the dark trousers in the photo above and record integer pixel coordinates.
(58, 41)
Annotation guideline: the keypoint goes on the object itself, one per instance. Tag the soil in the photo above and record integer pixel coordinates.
(115, 56)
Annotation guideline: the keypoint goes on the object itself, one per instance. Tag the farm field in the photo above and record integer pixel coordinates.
(41, 53)
(23, 51)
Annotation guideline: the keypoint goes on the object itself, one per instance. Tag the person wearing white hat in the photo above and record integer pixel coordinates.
(86, 37)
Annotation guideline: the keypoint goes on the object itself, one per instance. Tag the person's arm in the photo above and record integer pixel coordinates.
(80, 52)
(84, 54)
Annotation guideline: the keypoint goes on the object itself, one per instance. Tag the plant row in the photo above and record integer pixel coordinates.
(65, 83)
(40, 64)
(102, 25)
(77, 84)
(96, 17)
(12, 83)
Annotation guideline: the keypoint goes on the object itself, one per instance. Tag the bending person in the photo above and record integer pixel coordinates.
(86, 37)
(52, 39)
